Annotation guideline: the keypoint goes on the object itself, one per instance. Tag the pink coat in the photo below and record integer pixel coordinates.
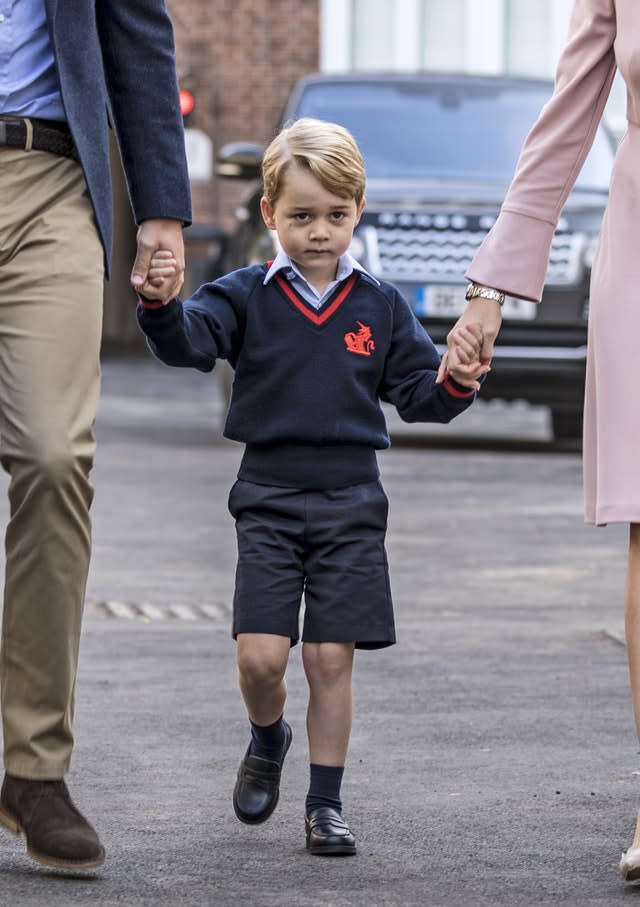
(604, 35)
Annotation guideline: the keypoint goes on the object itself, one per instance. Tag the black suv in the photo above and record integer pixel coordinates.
(440, 152)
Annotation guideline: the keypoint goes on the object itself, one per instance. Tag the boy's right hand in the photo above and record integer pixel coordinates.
(487, 314)
(462, 359)
(162, 270)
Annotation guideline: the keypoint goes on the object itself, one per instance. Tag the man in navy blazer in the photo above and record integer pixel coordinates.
(68, 68)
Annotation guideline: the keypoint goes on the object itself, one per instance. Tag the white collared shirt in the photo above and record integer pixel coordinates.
(346, 266)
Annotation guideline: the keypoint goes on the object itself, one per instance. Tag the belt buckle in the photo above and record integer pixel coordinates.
(6, 118)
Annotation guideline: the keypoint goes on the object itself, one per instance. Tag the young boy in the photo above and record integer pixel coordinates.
(316, 342)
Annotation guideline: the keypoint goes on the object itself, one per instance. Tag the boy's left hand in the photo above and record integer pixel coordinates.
(462, 360)
(154, 235)
(160, 276)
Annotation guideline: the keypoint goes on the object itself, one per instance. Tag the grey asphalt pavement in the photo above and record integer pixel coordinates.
(493, 760)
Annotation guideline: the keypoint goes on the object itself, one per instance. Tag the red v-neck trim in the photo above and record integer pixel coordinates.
(304, 308)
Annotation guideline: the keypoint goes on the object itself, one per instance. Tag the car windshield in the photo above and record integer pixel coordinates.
(413, 130)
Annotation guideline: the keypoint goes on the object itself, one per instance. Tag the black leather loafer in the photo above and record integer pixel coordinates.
(257, 788)
(328, 834)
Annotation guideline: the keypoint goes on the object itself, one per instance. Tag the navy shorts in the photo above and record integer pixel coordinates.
(326, 546)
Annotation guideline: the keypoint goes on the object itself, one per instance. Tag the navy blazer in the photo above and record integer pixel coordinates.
(115, 60)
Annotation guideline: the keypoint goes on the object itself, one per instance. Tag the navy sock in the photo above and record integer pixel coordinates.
(267, 741)
(324, 787)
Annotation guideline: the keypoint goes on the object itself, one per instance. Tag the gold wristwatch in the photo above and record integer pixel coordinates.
(476, 289)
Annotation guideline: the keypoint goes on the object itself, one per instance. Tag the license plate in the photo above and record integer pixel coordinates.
(447, 301)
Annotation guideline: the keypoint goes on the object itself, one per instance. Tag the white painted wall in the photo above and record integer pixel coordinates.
(465, 35)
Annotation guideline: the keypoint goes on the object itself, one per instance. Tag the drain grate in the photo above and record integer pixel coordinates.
(148, 611)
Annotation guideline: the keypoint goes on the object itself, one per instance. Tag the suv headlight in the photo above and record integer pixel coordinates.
(364, 248)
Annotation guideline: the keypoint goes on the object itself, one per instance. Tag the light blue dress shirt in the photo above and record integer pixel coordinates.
(28, 79)
(346, 266)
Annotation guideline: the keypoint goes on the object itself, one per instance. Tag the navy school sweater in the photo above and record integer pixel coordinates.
(308, 382)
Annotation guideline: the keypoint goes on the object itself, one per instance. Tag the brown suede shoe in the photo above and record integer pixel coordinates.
(57, 834)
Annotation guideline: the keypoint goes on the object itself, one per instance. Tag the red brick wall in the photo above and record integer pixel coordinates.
(240, 58)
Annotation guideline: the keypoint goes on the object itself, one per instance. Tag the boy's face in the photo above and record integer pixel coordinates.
(314, 226)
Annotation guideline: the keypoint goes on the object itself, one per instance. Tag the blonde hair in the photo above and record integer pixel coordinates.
(328, 151)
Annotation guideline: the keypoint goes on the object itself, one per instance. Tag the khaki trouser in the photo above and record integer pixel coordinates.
(51, 287)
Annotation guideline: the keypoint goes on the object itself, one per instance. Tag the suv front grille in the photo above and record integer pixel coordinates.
(430, 253)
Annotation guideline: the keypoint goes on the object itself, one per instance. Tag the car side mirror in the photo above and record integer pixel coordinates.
(240, 161)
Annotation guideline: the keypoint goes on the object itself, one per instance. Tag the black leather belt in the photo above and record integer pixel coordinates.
(46, 135)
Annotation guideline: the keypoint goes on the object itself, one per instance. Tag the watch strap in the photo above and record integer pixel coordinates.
(475, 289)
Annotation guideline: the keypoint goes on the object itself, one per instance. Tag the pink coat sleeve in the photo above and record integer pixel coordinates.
(515, 253)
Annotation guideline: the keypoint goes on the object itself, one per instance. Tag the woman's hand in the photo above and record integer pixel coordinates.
(483, 312)
(465, 366)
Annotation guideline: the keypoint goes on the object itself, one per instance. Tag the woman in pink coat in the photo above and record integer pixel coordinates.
(604, 36)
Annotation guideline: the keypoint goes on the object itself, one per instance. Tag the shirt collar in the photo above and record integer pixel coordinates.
(346, 266)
